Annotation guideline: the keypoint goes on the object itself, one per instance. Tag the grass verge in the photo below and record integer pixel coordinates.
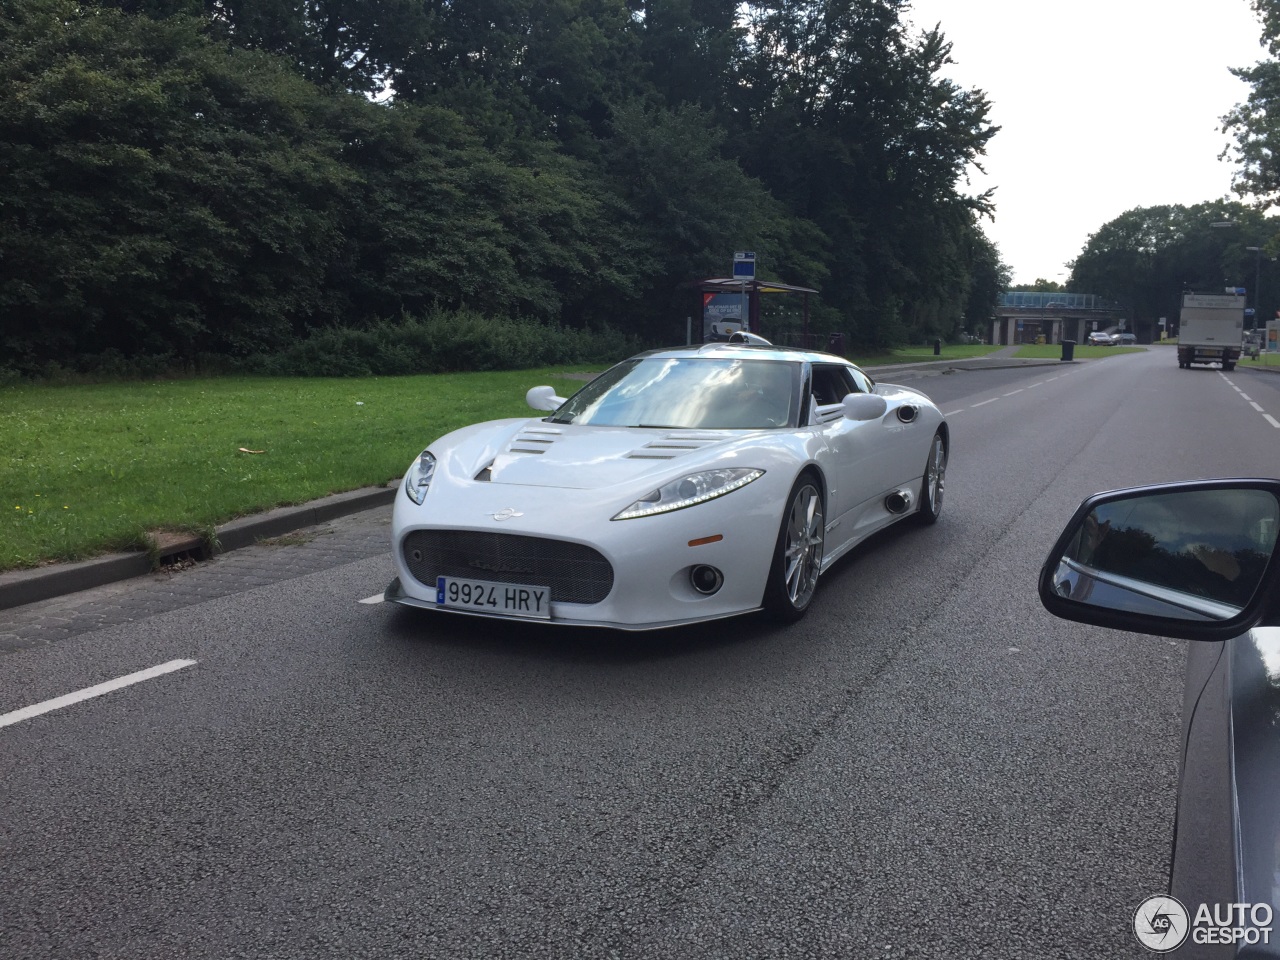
(94, 468)
(1083, 351)
(1264, 361)
(925, 354)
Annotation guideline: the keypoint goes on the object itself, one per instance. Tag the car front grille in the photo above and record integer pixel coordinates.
(574, 572)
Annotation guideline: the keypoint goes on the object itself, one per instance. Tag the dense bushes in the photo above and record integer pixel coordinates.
(443, 343)
(440, 343)
(190, 184)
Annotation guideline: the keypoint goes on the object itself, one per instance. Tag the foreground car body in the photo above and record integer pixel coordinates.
(1199, 561)
(681, 485)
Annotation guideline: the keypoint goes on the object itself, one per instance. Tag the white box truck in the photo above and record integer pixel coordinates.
(1210, 329)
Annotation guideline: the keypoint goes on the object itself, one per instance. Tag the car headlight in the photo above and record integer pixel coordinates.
(418, 479)
(694, 489)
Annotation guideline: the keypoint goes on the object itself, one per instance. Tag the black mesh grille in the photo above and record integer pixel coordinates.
(575, 573)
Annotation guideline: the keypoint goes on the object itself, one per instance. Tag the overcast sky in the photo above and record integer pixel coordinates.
(1104, 105)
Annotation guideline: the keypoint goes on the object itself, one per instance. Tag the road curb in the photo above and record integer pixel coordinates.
(975, 364)
(20, 587)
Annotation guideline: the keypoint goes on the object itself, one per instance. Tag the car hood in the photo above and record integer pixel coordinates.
(543, 454)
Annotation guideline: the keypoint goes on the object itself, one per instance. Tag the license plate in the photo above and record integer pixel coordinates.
(1212, 353)
(486, 596)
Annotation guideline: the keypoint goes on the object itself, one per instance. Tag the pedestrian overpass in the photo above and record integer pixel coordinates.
(1027, 317)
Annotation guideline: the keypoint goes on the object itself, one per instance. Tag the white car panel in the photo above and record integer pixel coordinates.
(562, 483)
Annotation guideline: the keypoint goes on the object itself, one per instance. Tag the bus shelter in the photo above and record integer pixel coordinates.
(728, 304)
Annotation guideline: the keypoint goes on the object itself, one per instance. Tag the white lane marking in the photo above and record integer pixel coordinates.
(1244, 396)
(1036, 384)
(1012, 392)
(57, 703)
(984, 402)
(954, 412)
(376, 598)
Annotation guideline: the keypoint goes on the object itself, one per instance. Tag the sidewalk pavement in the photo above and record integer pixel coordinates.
(1001, 359)
(21, 587)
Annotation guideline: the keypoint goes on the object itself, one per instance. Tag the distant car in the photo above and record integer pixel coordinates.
(1198, 561)
(678, 486)
(1100, 339)
(1125, 339)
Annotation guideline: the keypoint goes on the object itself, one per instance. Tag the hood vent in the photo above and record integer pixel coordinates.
(668, 448)
(533, 440)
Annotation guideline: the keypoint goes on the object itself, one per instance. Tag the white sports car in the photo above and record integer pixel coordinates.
(680, 485)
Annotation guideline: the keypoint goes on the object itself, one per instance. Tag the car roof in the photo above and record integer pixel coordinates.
(742, 351)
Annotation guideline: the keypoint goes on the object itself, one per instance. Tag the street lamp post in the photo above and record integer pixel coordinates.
(1257, 284)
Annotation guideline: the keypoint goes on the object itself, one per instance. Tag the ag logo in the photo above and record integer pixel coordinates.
(1161, 923)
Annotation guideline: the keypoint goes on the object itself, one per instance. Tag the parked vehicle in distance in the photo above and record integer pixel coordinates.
(1125, 339)
(1210, 329)
(1100, 338)
(678, 486)
(1199, 561)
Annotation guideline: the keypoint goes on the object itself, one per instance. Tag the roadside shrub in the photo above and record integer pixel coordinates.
(441, 343)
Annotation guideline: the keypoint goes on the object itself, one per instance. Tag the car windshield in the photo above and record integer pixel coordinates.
(704, 393)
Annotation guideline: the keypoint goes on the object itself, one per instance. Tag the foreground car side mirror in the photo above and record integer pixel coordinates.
(864, 406)
(1197, 560)
(543, 398)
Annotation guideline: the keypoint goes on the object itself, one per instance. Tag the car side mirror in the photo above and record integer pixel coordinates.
(1195, 560)
(543, 398)
(864, 406)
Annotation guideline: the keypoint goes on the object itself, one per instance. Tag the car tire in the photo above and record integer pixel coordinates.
(797, 554)
(935, 475)
(1228, 367)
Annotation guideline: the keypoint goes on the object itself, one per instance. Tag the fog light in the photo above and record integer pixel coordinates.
(706, 580)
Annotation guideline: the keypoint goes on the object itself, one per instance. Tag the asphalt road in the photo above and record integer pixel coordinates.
(927, 766)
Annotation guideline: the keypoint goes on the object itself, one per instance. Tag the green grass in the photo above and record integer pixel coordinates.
(94, 468)
(1083, 351)
(924, 354)
(1271, 360)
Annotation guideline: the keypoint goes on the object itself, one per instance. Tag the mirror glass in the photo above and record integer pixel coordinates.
(1189, 555)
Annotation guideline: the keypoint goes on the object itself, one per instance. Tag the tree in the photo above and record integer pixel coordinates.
(853, 127)
(692, 52)
(163, 195)
(185, 177)
(1256, 123)
(690, 208)
(1147, 257)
